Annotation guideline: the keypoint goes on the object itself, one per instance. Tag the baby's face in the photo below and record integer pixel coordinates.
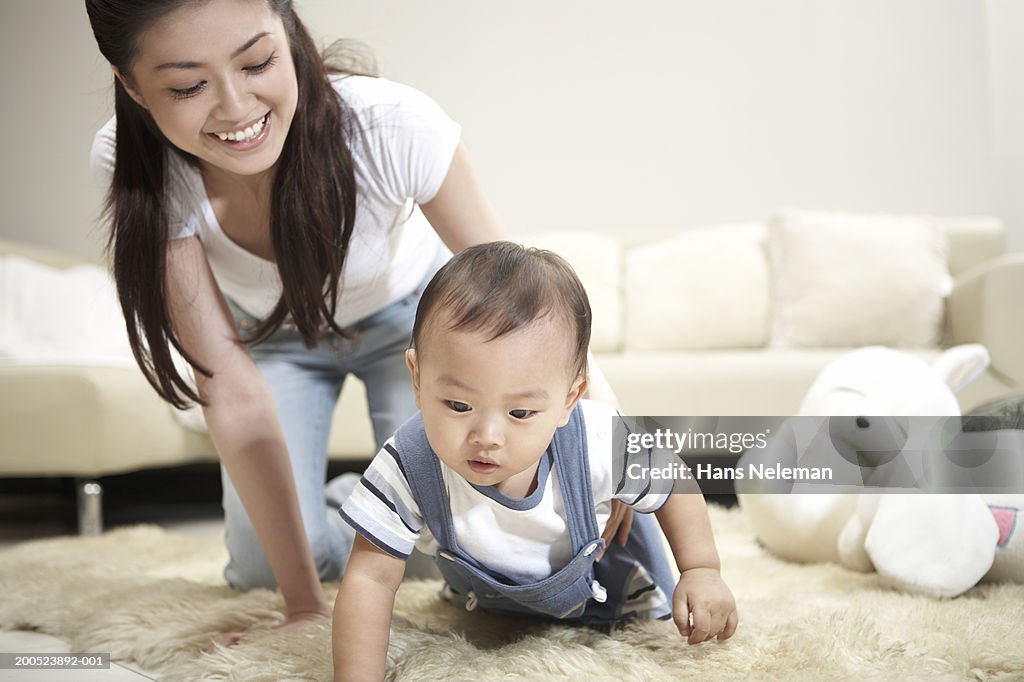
(490, 408)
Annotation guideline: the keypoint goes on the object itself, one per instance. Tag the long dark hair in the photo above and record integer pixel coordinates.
(312, 210)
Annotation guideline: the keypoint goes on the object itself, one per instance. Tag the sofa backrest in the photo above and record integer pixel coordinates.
(640, 305)
(629, 303)
(972, 239)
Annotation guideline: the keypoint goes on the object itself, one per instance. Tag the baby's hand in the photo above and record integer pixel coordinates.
(703, 607)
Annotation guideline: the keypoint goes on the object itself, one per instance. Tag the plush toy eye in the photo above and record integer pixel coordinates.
(863, 423)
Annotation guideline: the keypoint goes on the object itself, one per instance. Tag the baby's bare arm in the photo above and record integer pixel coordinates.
(362, 612)
(703, 606)
(684, 520)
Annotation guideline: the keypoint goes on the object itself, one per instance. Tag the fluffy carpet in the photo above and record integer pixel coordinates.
(158, 598)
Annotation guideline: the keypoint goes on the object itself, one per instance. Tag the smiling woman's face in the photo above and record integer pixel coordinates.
(219, 81)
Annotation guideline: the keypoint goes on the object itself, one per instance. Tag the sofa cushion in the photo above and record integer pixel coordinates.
(757, 382)
(65, 420)
(762, 381)
(843, 279)
(704, 288)
(597, 260)
(67, 315)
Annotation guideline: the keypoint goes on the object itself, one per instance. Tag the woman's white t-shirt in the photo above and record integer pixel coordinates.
(401, 152)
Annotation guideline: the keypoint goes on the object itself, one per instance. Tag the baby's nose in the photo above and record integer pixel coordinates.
(486, 433)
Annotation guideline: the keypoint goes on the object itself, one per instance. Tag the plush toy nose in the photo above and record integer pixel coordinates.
(867, 442)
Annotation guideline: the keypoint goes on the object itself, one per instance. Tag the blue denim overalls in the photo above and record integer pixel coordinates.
(593, 593)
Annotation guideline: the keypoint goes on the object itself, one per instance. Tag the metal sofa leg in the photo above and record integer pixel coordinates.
(90, 506)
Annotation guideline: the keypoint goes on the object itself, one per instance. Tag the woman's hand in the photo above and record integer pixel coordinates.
(619, 524)
(295, 621)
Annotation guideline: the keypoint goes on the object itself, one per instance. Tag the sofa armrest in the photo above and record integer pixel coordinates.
(987, 307)
(47, 256)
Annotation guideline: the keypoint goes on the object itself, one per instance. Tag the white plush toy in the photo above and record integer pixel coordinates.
(940, 545)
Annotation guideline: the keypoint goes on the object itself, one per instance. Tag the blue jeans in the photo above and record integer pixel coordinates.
(305, 384)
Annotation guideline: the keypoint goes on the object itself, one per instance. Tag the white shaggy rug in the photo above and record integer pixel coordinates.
(158, 598)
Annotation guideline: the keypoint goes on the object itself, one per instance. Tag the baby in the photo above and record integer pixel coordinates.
(506, 474)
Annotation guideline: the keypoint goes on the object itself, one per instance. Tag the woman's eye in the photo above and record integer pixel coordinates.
(263, 66)
(522, 414)
(185, 93)
(457, 406)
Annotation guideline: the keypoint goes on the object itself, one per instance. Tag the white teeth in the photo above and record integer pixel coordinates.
(244, 135)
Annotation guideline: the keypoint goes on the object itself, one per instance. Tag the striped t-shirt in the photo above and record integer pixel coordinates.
(524, 539)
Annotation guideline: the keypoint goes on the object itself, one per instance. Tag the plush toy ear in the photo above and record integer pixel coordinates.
(1008, 511)
(960, 365)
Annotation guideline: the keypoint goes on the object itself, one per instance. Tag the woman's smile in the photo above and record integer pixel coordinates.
(246, 137)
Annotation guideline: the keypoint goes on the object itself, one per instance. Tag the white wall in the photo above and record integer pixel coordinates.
(602, 115)
(56, 94)
(1006, 57)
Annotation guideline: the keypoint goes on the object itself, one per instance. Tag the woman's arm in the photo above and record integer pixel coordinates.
(244, 426)
(598, 387)
(462, 215)
(460, 212)
(362, 612)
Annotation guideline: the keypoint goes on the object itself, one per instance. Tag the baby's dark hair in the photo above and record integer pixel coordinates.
(499, 287)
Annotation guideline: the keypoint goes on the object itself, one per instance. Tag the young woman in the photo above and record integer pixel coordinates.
(264, 224)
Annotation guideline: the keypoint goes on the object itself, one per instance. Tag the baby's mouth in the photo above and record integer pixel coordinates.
(481, 466)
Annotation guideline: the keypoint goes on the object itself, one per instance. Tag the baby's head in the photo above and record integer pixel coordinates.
(499, 360)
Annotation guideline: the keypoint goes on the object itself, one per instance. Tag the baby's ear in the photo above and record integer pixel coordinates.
(576, 391)
(414, 370)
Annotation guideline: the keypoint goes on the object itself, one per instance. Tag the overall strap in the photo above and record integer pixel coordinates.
(572, 462)
(422, 470)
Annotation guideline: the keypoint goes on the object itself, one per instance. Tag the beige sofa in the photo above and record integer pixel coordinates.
(82, 421)
(747, 372)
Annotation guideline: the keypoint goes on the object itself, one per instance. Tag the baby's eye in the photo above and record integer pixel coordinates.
(522, 414)
(457, 406)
